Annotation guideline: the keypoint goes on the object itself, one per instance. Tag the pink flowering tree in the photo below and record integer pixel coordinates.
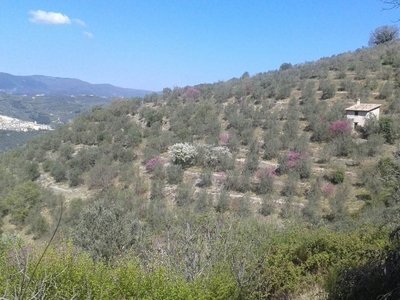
(328, 190)
(222, 176)
(192, 94)
(264, 172)
(224, 138)
(249, 89)
(152, 163)
(341, 143)
(293, 159)
(295, 162)
(339, 128)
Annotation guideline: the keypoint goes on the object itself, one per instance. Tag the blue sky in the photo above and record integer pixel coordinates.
(148, 44)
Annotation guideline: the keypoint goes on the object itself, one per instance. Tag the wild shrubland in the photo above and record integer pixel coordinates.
(253, 188)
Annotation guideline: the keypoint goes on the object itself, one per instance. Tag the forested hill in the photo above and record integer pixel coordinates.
(47, 85)
(253, 188)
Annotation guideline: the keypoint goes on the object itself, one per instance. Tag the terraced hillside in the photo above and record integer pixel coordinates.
(251, 179)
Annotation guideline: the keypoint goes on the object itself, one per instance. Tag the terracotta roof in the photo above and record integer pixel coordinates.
(364, 107)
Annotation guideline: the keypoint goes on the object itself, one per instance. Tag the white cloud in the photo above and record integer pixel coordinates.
(89, 35)
(52, 18)
(79, 22)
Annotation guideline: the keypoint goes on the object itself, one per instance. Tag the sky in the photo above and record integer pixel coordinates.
(151, 45)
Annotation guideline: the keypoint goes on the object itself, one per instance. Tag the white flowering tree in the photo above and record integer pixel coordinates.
(214, 155)
(182, 153)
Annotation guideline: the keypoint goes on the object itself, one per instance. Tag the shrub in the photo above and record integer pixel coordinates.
(238, 181)
(251, 163)
(341, 145)
(104, 228)
(242, 206)
(32, 171)
(47, 165)
(101, 176)
(302, 145)
(312, 210)
(184, 195)
(223, 202)
(267, 207)
(378, 278)
(271, 145)
(265, 184)
(371, 126)
(308, 255)
(158, 172)
(182, 153)
(338, 201)
(338, 177)
(303, 167)
(387, 129)
(290, 187)
(206, 177)
(39, 226)
(374, 144)
(21, 200)
(174, 174)
(295, 162)
(386, 91)
(203, 201)
(74, 176)
(58, 172)
(328, 89)
(293, 157)
(227, 163)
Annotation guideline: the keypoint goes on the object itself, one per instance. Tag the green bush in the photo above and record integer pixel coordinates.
(206, 177)
(47, 165)
(32, 171)
(21, 200)
(58, 171)
(388, 130)
(295, 259)
(66, 273)
(378, 278)
(338, 177)
(174, 174)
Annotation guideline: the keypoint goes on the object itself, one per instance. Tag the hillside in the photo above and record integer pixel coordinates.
(253, 188)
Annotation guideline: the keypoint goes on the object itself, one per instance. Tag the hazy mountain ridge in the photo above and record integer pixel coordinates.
(48, 85)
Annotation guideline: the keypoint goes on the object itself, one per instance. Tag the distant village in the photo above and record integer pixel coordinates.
(13, 124)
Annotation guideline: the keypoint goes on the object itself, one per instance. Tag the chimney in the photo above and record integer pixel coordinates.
(358, 101)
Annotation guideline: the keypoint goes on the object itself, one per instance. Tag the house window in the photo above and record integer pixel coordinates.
(356, 113)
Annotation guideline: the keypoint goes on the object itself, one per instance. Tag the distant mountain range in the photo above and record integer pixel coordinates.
(47, 85)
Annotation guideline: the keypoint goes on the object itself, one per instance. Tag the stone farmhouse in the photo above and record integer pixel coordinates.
(358, 113)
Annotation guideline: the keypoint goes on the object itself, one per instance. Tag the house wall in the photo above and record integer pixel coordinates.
(361, 117)
(375, 112)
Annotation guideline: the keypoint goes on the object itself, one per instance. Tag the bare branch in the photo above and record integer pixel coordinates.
(393, 4)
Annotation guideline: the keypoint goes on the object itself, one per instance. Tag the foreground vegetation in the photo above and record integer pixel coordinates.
(254, 188)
